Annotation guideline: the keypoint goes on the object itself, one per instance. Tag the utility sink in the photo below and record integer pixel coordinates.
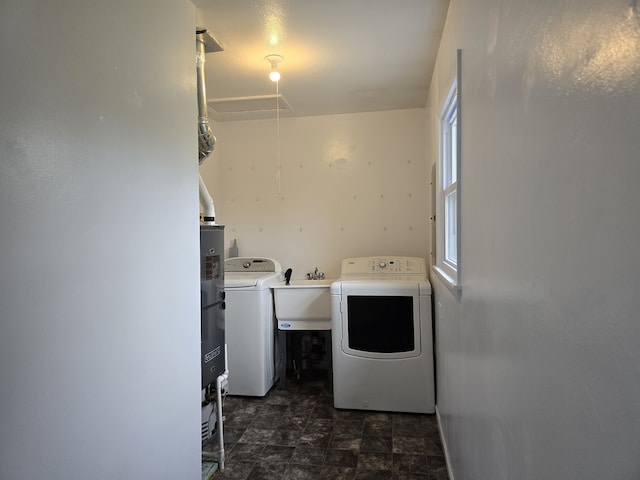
(303, 305)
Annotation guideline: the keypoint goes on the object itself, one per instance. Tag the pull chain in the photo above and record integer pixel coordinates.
(278, 176)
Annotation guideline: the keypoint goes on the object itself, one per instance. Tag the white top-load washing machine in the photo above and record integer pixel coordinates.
(382, 335)
(250, 324)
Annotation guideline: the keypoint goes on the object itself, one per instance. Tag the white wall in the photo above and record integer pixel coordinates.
(350, 185)
(539, 365)
(99, 289)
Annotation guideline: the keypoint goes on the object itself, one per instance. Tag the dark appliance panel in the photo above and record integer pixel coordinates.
(212, 302)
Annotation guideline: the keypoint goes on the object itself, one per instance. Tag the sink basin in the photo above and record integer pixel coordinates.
(303, 305)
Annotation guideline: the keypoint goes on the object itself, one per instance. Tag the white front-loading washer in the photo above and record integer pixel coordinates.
(382, 335)
(250, 332)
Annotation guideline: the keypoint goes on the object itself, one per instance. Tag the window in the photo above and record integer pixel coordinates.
(448, 187)
(450, 180)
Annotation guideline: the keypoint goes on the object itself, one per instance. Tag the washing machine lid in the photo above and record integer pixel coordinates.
(249, 280)
(250, 272)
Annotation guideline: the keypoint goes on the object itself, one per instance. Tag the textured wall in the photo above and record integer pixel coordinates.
(350, 185)
(538, 359)
(99, 289)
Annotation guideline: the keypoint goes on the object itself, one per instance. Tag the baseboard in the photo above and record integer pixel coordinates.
(445, 448)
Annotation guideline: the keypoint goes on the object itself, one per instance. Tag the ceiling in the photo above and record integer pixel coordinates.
(340, 56)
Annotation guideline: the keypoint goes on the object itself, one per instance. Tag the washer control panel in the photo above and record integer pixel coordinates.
(252, 264)
(384, 265)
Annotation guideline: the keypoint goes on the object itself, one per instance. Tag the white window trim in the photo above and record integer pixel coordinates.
(450, 273)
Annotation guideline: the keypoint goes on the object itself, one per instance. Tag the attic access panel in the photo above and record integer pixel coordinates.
(257, 103)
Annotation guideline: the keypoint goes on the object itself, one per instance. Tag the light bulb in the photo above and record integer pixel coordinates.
(274, 75)
(274, 60)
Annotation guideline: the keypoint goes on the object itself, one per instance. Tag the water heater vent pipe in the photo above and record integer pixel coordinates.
(206, 139)
(208, 209)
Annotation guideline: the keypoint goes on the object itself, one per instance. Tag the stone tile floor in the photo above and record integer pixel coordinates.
(297, 434)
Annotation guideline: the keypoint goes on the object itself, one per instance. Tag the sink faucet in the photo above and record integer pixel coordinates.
(316, 275)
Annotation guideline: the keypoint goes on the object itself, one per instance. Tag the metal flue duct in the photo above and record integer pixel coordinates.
(206, 139)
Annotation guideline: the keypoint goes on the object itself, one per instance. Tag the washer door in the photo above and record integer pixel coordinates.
(381, 319)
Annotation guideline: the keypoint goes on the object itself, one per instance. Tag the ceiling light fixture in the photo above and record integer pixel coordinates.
(274, 60)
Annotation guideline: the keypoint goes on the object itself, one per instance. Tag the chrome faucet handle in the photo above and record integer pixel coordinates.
(315, 275)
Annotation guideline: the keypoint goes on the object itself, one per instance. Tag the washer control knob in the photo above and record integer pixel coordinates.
(382, 265)
(246, 264)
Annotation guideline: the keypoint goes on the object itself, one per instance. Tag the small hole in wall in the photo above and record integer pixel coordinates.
(410, 195)
(384, 228)
(381, 195)
(411, 229)
(260, 229)
(355, 197)
(300, 229)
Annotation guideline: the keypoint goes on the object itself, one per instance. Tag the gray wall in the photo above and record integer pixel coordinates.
(99, 289)
(539, 365)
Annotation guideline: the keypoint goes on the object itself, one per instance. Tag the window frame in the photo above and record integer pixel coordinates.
(448, 198)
